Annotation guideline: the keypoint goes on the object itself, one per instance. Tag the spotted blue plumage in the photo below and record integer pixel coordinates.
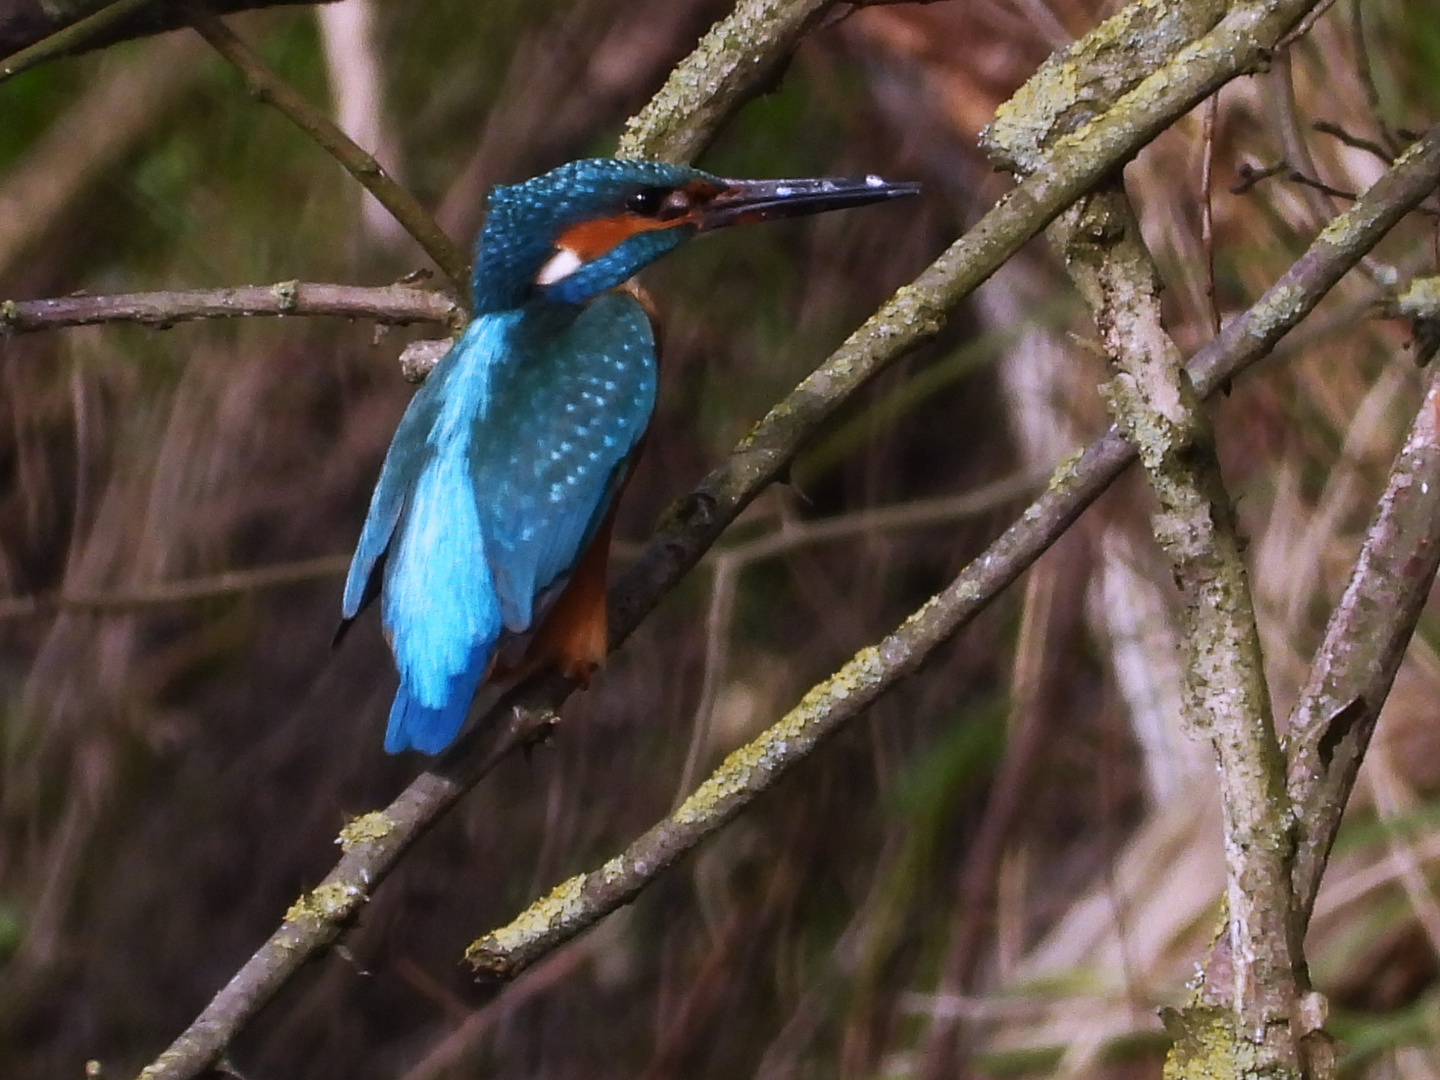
(510, 456)
(502, 468)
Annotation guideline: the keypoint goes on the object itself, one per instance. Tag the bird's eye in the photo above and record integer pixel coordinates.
(647, 201)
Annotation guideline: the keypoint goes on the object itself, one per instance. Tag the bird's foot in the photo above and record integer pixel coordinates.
(533, 726)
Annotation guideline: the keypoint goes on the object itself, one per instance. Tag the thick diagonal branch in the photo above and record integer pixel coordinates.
(1153, 401)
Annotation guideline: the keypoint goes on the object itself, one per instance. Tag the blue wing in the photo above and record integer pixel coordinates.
(500, 471)
(404, 461)
(422, 534)
(566, 423)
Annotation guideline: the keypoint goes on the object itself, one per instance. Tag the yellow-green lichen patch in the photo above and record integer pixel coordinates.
(891, 645)
(785, 742)
(327, 903)
(614, 870)
(912, 309)
(287, 295)
(365, 828)
(1420, 301)
(1066, 471)
(563, 904)
(1022, 125)
(1277, 308)
(1339, 230)
(162, 1064)
(9, 314)
(1208, 1045)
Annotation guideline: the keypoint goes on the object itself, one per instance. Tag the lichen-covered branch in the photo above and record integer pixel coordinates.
(1350, 679)
(370, 845)
(268, 87)
(1081, 81)
(1364, 643)
(581, 901)
(1153, 402)
(740, 54)
(396, 305)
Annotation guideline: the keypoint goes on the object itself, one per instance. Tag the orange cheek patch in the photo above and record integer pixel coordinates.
(591, 239)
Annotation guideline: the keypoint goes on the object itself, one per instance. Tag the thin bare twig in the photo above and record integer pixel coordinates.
(26, 24)
(1325, 127)
(1367, 77)
(396, 305)
(1305, 25)
(1295, 176)
(1248, 176)
(272, 90)
(922, 513)
(178, 592)
(1207, 208)
(1284, 115)
(72, 38)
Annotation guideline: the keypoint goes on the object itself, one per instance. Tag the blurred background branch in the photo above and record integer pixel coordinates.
(269, 88)
(63, 29)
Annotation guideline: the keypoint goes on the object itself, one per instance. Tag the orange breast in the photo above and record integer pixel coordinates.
(574, 634)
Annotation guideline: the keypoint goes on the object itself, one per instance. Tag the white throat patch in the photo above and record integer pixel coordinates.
(558, 267)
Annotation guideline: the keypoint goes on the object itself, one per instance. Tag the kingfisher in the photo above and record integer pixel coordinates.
(488, 534)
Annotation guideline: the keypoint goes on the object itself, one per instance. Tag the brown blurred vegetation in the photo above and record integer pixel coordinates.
(1013, 860)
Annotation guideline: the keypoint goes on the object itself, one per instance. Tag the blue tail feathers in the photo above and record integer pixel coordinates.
(430, 729)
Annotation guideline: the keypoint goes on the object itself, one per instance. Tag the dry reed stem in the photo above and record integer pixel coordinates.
(178, 592)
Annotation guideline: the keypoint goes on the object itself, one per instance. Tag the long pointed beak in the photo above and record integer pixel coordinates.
(744, 201)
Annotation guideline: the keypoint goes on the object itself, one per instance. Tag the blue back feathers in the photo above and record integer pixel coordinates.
(510, 455)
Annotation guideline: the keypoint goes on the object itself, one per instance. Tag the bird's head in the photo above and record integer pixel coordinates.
(587, 226)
